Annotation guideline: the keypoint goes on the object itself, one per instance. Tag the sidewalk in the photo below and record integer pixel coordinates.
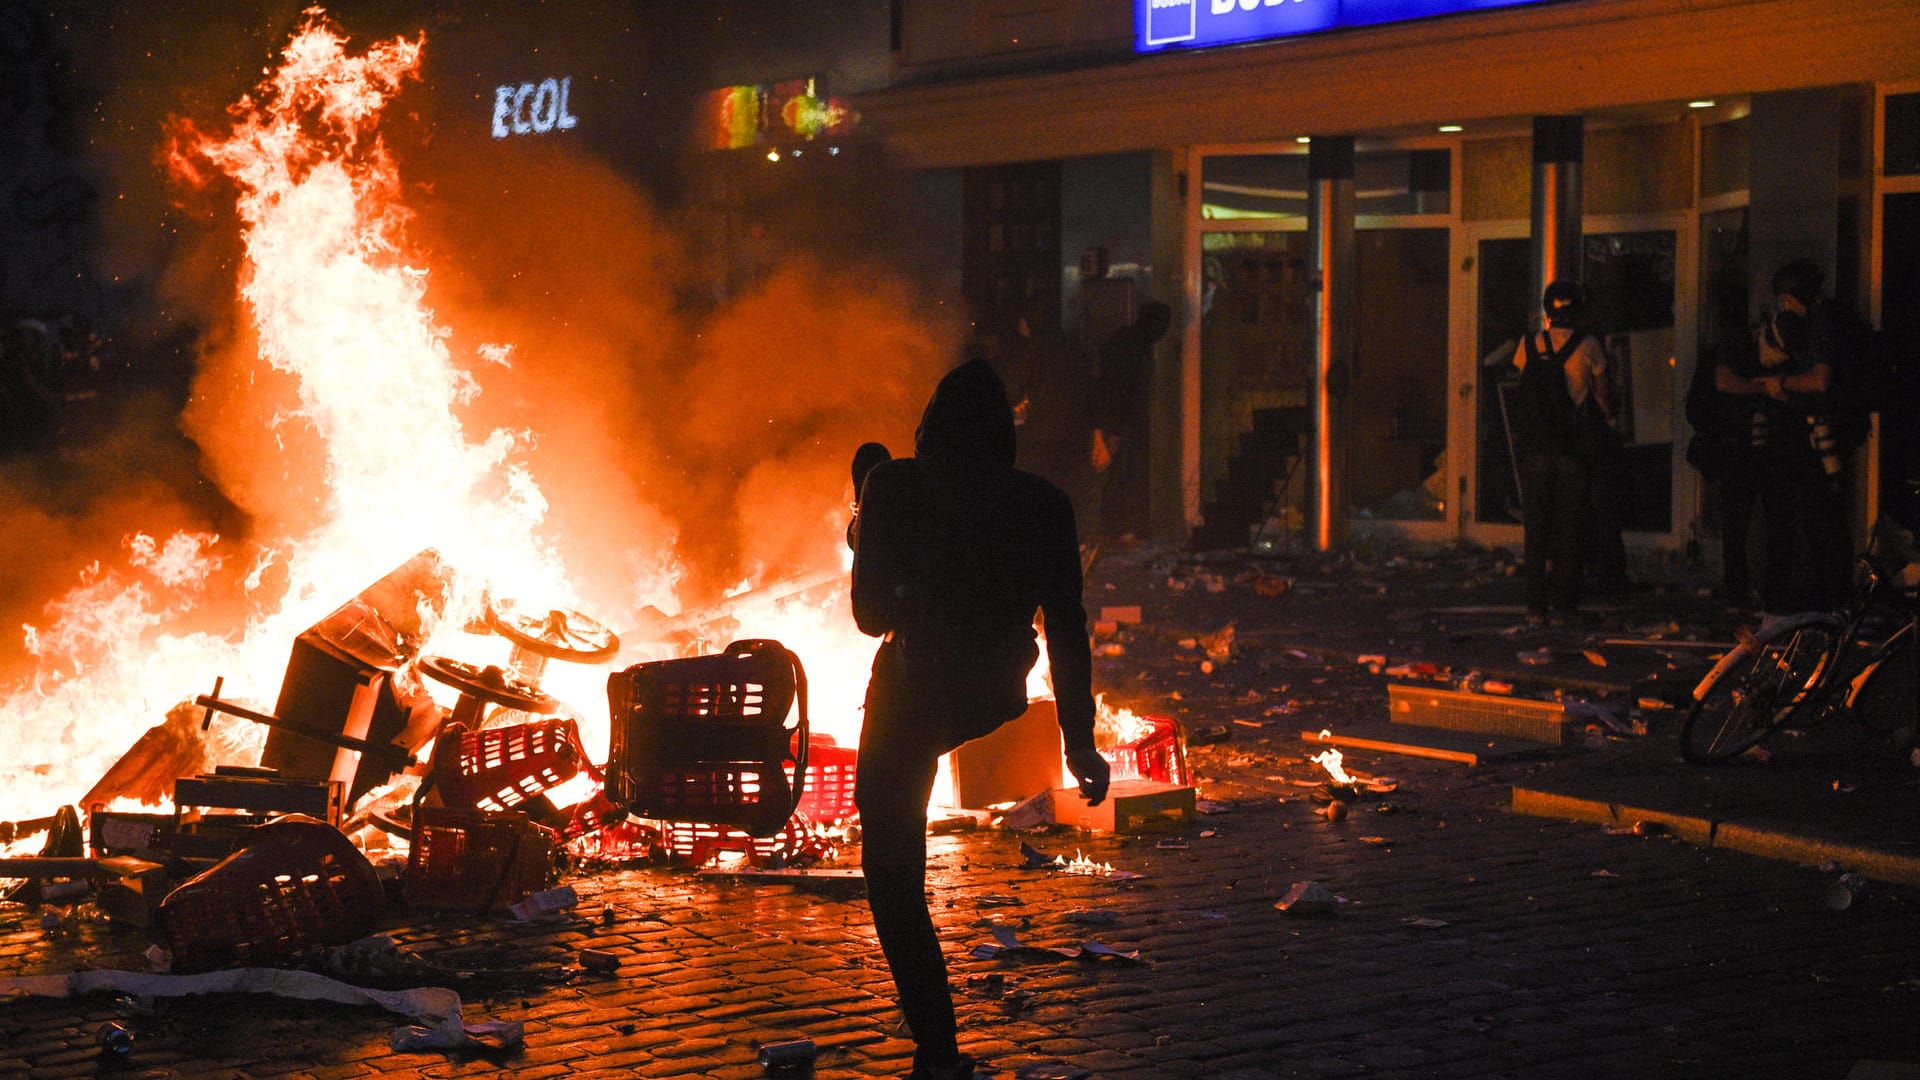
(1831, 795)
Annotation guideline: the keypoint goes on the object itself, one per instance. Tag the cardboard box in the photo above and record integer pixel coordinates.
(1020, 759)
(1131, 806)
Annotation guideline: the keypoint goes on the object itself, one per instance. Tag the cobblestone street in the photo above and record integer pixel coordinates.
(1471, 941)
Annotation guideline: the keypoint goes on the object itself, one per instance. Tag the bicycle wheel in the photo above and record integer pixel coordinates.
(1757, 688)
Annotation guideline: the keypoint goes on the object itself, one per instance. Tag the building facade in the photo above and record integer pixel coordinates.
(1089, 165)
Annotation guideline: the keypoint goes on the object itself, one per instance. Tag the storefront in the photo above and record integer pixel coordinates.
(1718, 140)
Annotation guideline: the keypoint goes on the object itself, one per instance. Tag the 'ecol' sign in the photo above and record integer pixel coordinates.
(1189, 24)
(532, 108)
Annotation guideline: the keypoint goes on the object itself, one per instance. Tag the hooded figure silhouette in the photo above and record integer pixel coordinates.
(957, 550)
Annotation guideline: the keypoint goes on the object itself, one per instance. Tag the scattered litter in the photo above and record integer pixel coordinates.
(1128, 614)
(1593, 657)
(604, 961)
(1212, 806)
(791, 1054)
(1308, 898)
(1051, 1070)
(114, 1039)
(1000, 900)
(1843, 787)
(1172, 843)
(1092, 917)
(1424, 923)
(1111, 648)
(1335, 811)
(1649, 828)
(1035, 812)
(1603, 874)
(1007, 944)
(1209, 734)
(542, 904)
(1847, 891)
(1032, 858)
(1535, 657)
(1376, 841)
(1251, 723)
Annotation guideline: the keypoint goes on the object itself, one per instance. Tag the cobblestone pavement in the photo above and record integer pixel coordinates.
(1472, 942)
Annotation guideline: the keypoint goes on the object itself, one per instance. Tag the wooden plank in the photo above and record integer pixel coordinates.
(1408, 749)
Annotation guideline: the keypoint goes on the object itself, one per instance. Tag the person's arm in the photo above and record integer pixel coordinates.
(1728, 381)
(1069, 657)
(1601, 365)
(1814, 380)
(882, 559)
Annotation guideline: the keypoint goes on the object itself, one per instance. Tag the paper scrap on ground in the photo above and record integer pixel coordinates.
(437, 1004)
(1007, 944)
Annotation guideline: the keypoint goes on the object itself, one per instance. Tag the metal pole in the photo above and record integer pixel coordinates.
(1330, 235)
(1558, 148)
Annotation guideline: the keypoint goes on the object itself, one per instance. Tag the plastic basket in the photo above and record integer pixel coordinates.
(708, 738)
(1160, 755)
(500, 768)
(830, 774)
(699, 842)
(472, 860)
(298, 884)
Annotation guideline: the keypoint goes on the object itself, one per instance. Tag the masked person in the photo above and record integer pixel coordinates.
(1561, 411)
(1774, 388)
(956, 551)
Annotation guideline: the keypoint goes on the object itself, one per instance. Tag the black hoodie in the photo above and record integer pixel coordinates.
(957, 550)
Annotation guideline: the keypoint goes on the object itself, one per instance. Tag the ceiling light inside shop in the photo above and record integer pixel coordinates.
(1303, 138)
(1451, 128)
(1703, 103)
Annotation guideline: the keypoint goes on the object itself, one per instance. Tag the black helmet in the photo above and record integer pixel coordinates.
(1801, 279)
(1564, 302)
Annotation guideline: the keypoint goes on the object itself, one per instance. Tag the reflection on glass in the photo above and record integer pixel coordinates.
(1274, 186)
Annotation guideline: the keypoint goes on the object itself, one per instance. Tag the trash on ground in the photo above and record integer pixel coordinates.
(1424, 923)
(1007, 945)
(1308, 898)
(545, 903)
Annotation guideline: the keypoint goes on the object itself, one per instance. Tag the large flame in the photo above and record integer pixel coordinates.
(337, 306)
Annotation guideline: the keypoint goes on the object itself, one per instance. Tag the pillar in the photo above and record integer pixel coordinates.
(1558, 147)
(1330, 237)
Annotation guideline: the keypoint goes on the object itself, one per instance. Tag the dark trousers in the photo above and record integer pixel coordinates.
(1555, 492)
(1807, 549)
(892, 783)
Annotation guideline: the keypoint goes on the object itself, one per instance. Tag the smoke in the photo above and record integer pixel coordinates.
(690, 405)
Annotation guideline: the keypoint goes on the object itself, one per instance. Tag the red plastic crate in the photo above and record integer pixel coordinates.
(707, 738)
(297, 885)
(699, 842)
(830, 774)
(1159, 755)
(472, 860)
(500, 768)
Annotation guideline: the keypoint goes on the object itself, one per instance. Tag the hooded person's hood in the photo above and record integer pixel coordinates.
(968, 419)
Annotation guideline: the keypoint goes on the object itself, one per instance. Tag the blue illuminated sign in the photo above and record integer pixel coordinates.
(1189, 24)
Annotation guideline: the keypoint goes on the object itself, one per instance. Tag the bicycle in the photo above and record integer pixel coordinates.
(1808, 668)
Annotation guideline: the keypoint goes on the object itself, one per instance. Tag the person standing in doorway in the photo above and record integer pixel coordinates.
(1560, 416)
(956, 552)
(1122, 402)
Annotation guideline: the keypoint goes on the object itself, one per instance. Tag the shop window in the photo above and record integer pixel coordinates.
(1725, 158)
(1901, 150)
(1270, 186)
(1253, 186)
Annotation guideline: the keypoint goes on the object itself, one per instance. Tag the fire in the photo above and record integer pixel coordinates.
(335, 298)
(1329, 759)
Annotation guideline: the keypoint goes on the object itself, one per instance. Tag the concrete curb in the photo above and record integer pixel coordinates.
(1767, 843)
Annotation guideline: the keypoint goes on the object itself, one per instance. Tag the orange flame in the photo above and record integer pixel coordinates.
(336, 299)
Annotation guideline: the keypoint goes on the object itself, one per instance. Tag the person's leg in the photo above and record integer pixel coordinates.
(893, 780)
(1779, 592)
(1565, 543)
(1736, 511)
(1536, 520)
(1823, 516)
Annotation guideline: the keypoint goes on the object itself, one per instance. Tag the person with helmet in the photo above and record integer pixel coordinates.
(1561, 408)
(1773, 385)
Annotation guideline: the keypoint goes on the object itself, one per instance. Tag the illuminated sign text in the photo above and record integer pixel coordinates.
(532, 108)
(1188, 24)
